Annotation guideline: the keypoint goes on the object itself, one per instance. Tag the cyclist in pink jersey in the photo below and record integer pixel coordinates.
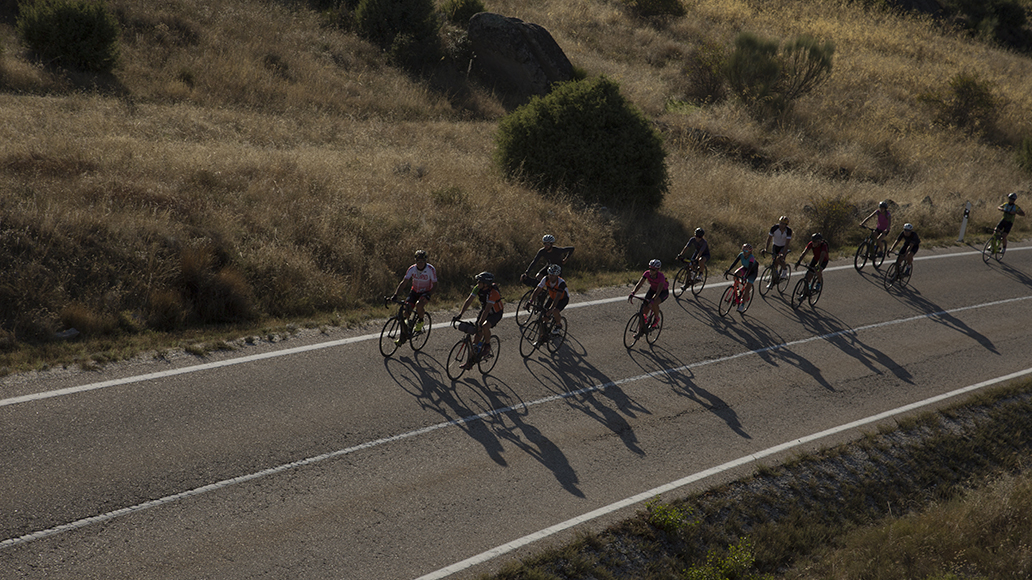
(658, 287)
(424, 281)
(881, 231)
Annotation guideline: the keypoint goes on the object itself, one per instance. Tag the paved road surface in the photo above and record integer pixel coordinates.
(318, 458)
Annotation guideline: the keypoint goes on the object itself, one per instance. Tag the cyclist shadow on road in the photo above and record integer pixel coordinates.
(843, 337)
(583, 387)
(663, 365)
(935, 313)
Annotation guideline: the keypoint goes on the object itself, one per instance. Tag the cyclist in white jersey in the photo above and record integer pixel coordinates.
(424, 282)
(777, 240)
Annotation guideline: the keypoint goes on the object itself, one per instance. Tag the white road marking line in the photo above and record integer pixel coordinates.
(463, 420)
(331, 344)
(647, 495)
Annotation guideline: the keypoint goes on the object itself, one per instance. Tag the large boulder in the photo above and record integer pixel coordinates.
(516, 56)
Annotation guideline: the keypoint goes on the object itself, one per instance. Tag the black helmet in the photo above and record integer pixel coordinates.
(699, 232)
(817, 237)
(485, 277)
(884, 205)
(421, 254)
(1012, 195)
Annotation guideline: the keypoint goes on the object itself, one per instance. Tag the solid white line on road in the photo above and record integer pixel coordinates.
(482, 416)
(646, 495)
(301, 349)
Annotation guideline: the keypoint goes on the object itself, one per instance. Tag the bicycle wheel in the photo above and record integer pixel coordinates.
(633, 330)
(522, 314)
(815, 293)
(726, 301)
(748, 301)
(419, 337)
(652, 332)
(860, 258)
(766, 280)
(699, 284)
(457, 358)
(486, 363)
(904, 276)
(556, 340)
(680, 282)
(529, 336)
(786, 274)
(799, 294)
(389, 335)
(876, 258)
(890, 275)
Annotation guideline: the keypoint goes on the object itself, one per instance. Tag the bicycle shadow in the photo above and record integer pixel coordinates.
(568, 375)
(914, 300)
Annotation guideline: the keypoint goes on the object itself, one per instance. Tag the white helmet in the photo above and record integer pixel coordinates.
(548, 239)
(908, 227)
(555, 270)
(655, 264)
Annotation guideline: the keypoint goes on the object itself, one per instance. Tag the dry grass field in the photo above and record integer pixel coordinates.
(246, 164)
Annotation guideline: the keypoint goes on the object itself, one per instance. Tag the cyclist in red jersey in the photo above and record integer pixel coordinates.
(821, 255)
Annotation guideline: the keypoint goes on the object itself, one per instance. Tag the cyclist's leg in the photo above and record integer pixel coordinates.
(558, 308)
(820, 271)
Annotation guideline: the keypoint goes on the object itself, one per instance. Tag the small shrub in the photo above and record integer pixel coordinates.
(459, 12)
(88, 321)
(770, 76)
(752, 69)
(968, 104)
(831, 216)
(647, 8)
(1024, 155)
(380, 21)
(585, 138)
(80, 34)
(703, 74)
(667, 517)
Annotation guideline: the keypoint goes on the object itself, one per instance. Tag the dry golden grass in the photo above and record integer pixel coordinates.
(305, 170)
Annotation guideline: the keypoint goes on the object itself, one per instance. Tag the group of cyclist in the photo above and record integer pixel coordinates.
(552, 294)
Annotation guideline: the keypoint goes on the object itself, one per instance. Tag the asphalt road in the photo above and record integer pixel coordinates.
(318, 458)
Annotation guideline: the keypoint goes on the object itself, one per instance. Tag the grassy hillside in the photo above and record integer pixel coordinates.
(249, 163)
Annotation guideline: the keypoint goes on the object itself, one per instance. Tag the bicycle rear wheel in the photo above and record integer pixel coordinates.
(522, 314)
(486, 363)
(698, 285)
(529, 337)
(766, 280)
(556, 340)
(420, 337)
(726, 301)
(680, 282)
(457, 358)
(389, 335)
(652, 332)
(890, 275)
(860, 258)
(633, 330)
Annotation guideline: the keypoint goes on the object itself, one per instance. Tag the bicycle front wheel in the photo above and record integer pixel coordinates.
(699, 284)
(486, 363)
(786, 274)
(904, 276)
(419, 337)
(890, 275)
(860, 258)
(681, 282)
(529, 337)
(652, 332)
(799, 294)
(522, 314)
(389, 336)
(876, 258)
(815, 293)
(458, 357)
(556, 339)
(633, 330)
(726, 301)
(748, 301)
(767, 280)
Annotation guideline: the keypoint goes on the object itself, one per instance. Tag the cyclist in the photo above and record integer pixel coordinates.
(491, 308)
(911, 243)
(821, 255)
(550, 254)
(558, 296)
(658, 289)
(1009, 210)
(780, 235)
(748, 270)
(701, 254)
(884, 224)
(424, 281)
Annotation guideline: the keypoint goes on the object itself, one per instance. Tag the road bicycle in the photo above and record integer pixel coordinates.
(807, 289)
(735, 296)
(868, 250)
(898, 273)
(691, 275)
(643, 323)
(402, 328)
(993, 247)
(542, 331)
(523, 314)
(465, 353)
(775, 275)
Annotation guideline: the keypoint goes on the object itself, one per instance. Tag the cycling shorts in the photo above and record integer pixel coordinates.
(1004, 226)
(750, 277)
(880, 232)
(561, 304)
(493, 319)
(651, 296)
(414, 297)
(823, 264)
(778, 250)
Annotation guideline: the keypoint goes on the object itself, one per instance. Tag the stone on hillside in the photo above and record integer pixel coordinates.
(516, 56)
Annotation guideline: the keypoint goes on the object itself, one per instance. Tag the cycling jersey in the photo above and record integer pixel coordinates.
(1009, 211)
(750, 266)
(557, 291)
(701, 248)
(490, 298)
(913, 242)
(884, 219)
(422, 280)
(780, 238)
(556, 255)
(820, 251)
(658, 282)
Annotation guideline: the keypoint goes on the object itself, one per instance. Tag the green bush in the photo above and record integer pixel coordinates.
(80, 34)
(460, 11)
(968, 103)
(656, 7)
(771, 76)
(752, 69)
(585, 138)
(831, 216)
(1024, 155)
(381, 21)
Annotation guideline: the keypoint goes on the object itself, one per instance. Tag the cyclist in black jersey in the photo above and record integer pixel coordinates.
(548, 254)
(911, 243)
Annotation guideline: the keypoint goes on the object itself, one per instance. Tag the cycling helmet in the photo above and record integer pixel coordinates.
(485, 277)
(699, 232)
(1012, 195)
(883, 205)
(655, 264)
(908, 227)
(746, 246)
(548, 239)
(555, 270)
(421, 254)
(783, 220)
(817, 237)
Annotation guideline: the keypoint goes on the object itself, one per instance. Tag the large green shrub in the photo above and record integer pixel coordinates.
(771, 76)
(80, 34)
(381, 21)
(585, 138)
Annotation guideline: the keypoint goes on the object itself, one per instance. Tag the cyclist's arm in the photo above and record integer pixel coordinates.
(537, 256)
(1019, 211)
(465, 305)
(567, 252)
(732, 266)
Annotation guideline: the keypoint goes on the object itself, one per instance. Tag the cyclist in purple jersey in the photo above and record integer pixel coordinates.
(658, 288)
(881, 231)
